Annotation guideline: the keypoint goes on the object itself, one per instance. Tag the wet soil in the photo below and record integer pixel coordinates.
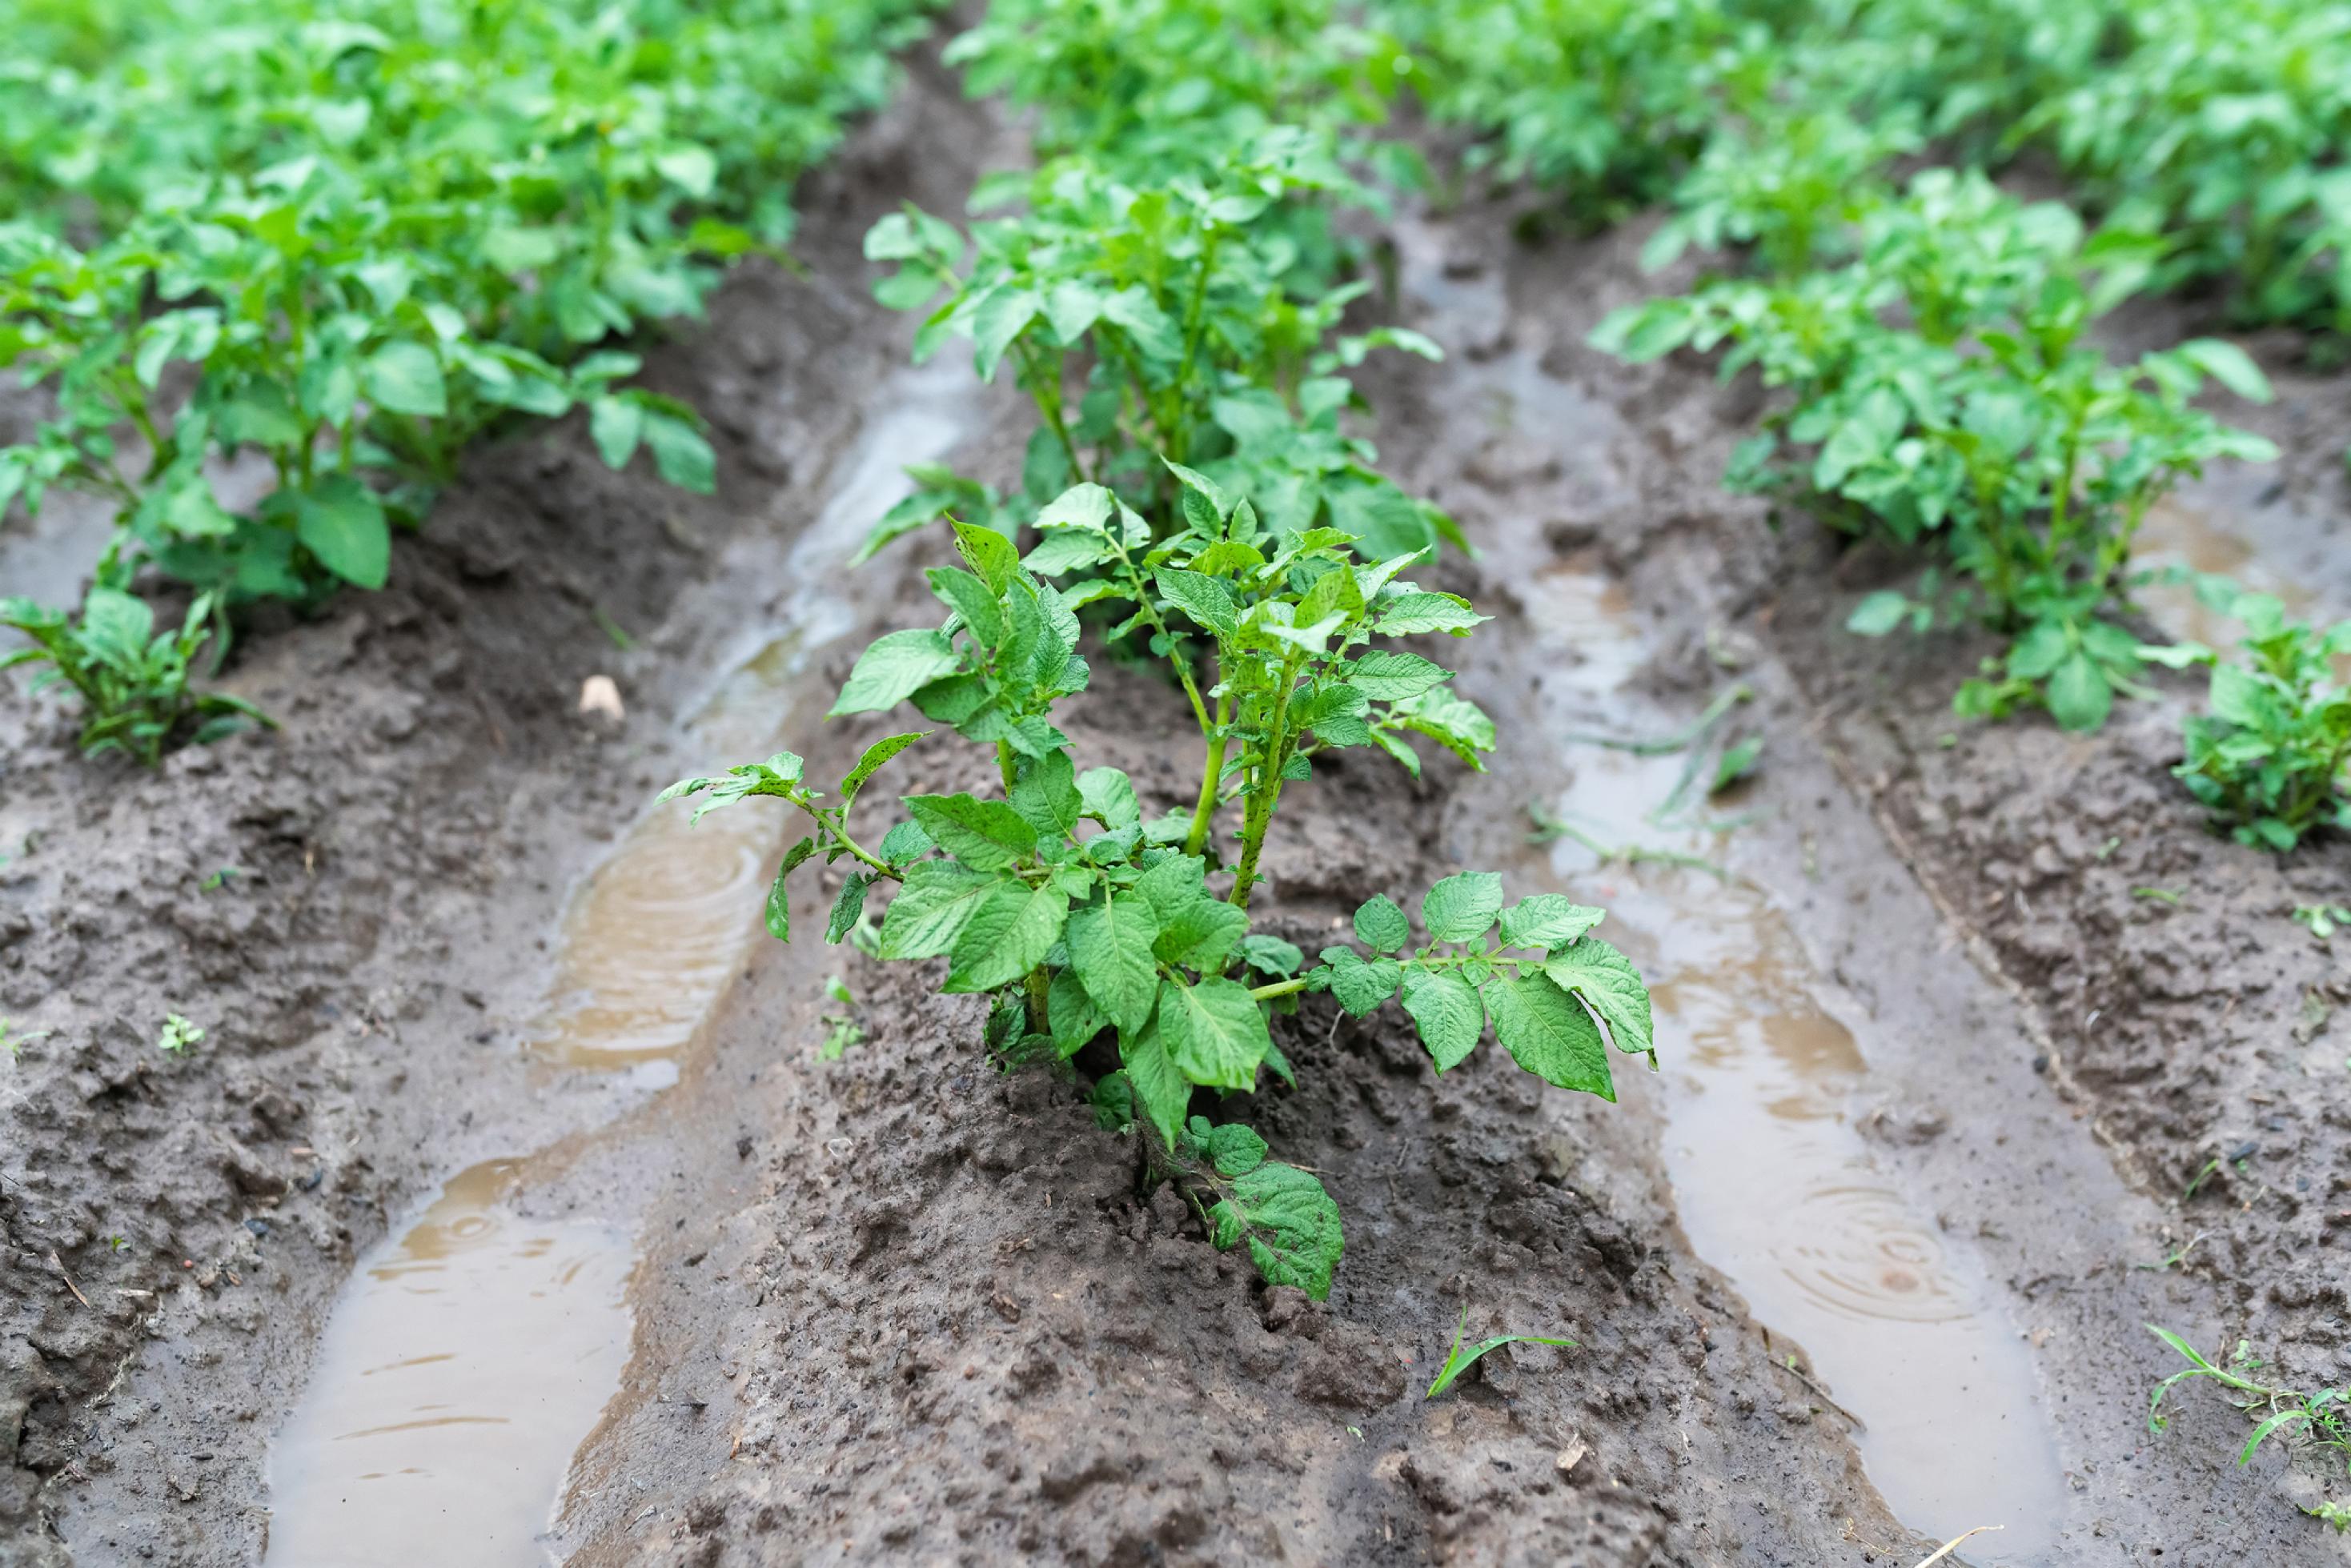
(897, 1306)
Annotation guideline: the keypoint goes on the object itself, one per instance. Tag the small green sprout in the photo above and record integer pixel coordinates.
(1458, 1361)
(178, 1034)
(2321, 1419)
(2323, 919)
(842, 1029)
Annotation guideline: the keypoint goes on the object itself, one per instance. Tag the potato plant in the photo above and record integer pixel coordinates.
(1940, 392)
(2269, 755)
(1055, 893)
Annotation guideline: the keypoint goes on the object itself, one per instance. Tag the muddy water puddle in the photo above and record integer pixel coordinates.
(1888, 1315)
(473, 1352)
(467, 1357)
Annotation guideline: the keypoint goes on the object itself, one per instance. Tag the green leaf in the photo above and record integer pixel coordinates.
(1546, 920)
(1074, 1018)
(1201, 934)
(1113, 1099)
(987, 834)
(1549, 1035)
(1206, 600)
(932, 909)
(894, 667)
(849, 907)
(779, 908)
(1463, 906)
(1271, 955)
(680, 453)
(1388, 675)
(1458, 1361)
(340, 521)
(1361, 987)
(880, 752)
(2079, 695)
(1878, 613)
(904, 844)
(2228, 364)
(1445, 1009)
(405, 378)
(1109, 798)
(1160, 1089)
(1234, 1150)
(1046, 794)
(1000, 317)
(1290, 1224)
(1214, 1031)
(1086, 507)
(1381, 925)
(989, 553)
(1608, 984)
(1109, 950)
(1008, 935)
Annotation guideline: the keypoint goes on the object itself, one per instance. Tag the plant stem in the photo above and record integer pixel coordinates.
(1268, 792)
(1212, 771)
(1278, 989)
(1036, 985)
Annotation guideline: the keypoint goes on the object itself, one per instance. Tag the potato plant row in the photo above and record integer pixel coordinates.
(1933, 337)
(346, 239)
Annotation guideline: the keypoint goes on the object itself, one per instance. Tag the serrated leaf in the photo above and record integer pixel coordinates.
(1214, 1031)
(1612, 987)
(1446, 1013)
(904, 843)
(1463, 906)
(1549, 1035)
(2080, 697)
(971, 599)
(987, 834)
(1109, 798)
(1109, 951)
(1008, 935)
(893, 668)
(1046, 793)
(1381, 924)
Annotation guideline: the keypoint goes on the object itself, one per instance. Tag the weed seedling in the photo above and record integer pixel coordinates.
(842, 1029)
(177, 1034)
(2321, 1419)
(15, 1043)
(1459, 1360)
(2323, 919)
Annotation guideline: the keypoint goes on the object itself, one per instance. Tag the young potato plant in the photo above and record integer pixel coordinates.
(1055, 896)
(1194, 318)
(132, 679)
(2268, 758)
(1940, 392)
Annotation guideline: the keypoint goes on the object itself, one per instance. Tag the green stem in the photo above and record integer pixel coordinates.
(1266, 793)
(1003, 763)
(1036, 988)
(1280, 989)
(1046, 391)
(1212, 771)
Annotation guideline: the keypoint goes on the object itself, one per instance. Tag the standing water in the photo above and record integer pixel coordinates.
(468, 1358)
(1773, 1184)
(463, 1364)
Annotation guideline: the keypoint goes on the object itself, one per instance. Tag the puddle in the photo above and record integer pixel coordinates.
(466, 1360)
(1773, 1185)
(461, 1368)
(653, 937)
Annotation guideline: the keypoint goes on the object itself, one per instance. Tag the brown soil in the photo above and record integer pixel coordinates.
(903, 1307)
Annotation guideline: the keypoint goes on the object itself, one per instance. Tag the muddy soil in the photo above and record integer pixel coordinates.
(900, 1307)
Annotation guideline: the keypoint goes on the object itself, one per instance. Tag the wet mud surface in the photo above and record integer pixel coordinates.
(1861, 1268)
